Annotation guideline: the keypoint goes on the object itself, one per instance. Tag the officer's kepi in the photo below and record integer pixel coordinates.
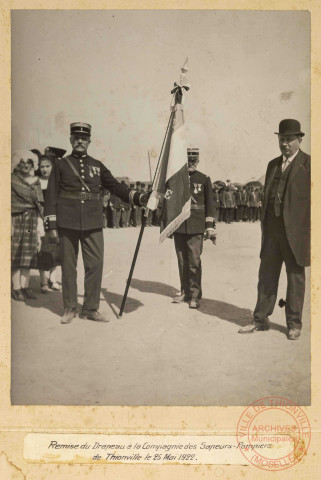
(193, 155)
(80, 128)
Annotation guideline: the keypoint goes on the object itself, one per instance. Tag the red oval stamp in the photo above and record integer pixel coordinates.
(273, 433)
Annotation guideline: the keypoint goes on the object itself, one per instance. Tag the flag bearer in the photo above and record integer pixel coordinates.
(189, 236)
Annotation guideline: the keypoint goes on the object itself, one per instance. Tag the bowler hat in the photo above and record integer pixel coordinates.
(79, 127)
(290, 127)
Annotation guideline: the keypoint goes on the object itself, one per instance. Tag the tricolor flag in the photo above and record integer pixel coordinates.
(172, 180)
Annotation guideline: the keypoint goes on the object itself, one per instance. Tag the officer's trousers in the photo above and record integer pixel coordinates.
(189, 248)
(92, 246)
(276, 250)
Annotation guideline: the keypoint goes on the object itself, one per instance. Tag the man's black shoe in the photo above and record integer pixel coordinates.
(69, 314)
(180, 298)
(194, 303)
(294, 334)
(252, 328)
(93, 315)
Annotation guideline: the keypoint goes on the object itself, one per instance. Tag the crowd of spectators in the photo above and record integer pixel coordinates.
(233, 203)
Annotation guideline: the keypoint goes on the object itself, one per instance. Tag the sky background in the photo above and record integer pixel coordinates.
(115, 68)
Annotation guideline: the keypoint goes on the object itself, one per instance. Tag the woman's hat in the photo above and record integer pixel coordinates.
(24, 155)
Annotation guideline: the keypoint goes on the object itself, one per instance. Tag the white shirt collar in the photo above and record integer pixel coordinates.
(289, 159)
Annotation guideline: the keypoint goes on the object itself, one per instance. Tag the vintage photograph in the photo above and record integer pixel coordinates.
(160, 240)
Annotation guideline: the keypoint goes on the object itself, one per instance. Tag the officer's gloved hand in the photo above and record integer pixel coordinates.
(210, 234)
(53, 236)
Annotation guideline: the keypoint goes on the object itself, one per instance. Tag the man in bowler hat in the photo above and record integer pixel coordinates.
(74, 213)
(285, 231)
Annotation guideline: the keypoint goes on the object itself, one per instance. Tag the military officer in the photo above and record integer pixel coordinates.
(74, 213)
(189, 236)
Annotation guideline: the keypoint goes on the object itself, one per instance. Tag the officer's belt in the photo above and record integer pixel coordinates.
(197, 207)
(80, 195)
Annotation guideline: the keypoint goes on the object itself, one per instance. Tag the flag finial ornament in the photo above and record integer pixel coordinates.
(181, 87)
(185, 66)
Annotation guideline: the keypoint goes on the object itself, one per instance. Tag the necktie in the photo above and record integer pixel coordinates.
(285, 164)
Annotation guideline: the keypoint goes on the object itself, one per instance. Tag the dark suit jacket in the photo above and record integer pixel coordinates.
(296, 206)
(228, 199)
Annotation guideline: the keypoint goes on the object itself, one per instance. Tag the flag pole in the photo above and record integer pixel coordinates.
(144, 218)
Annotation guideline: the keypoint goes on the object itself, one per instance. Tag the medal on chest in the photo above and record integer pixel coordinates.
(94, 171)
(197, 187)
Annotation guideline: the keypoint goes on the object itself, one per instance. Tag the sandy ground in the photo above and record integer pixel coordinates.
(161, 353)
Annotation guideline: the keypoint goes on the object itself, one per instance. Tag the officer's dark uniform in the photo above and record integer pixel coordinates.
(78, 216)
(189, 236)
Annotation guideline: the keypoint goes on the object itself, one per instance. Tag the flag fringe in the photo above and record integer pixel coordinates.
(173, 226)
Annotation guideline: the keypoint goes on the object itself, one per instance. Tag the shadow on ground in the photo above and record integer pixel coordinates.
(153, 287)
(52, 301)
(114, 299)
(224, 311)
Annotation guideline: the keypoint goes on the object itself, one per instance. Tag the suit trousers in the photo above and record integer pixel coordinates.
(189, 248)
(92, 246)
(275, 251)
(116, 213)
(239, 213)
(229, 213)
(252, 214)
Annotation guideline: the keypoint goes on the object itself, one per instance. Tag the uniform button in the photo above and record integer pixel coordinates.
(82, 201)
(82, 176)
(83, 188)
(82, 170)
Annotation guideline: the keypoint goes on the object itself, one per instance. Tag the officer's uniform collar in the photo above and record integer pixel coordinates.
(77, 155)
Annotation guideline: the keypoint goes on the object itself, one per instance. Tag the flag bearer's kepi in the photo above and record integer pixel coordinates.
(79, 127)
(289, 127)
(193, 153)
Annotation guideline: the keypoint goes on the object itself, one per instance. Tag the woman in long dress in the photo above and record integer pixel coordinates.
(27, 223)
